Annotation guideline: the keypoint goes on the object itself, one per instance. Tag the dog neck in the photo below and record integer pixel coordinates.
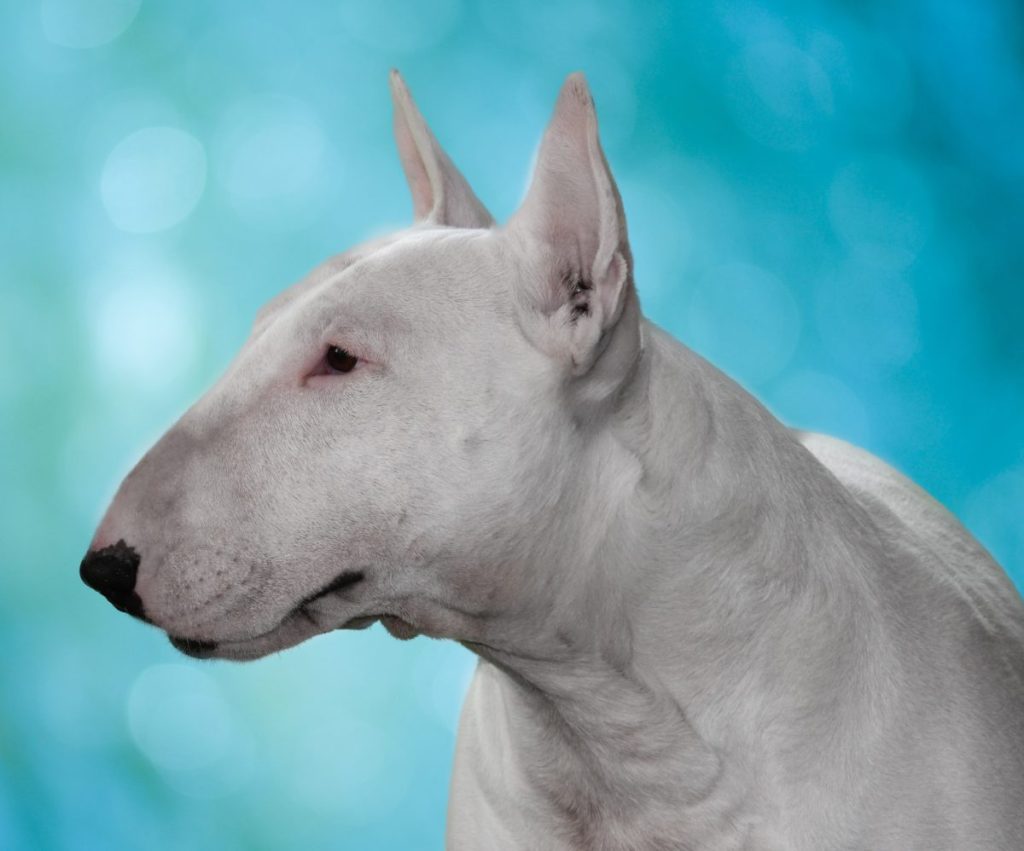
(728, 562)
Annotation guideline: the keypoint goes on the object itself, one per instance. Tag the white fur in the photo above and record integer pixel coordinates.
(697, 628)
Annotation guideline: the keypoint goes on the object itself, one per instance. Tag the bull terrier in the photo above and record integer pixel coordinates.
(696, 627)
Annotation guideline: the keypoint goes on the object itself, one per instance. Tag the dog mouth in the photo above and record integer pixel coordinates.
(345, 579)
(295, 627)
(194, 647)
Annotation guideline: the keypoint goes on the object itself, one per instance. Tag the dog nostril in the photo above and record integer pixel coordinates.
(112, 571)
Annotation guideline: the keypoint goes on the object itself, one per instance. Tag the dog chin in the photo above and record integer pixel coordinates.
(292, 630)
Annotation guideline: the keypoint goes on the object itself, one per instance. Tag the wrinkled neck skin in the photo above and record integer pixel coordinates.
(712, 620)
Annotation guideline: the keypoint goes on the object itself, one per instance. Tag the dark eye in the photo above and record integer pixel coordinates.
(339, 360)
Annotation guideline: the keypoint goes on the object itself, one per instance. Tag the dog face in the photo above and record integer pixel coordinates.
(398, 437)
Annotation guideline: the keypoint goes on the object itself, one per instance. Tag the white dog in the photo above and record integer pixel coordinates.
(697, 629)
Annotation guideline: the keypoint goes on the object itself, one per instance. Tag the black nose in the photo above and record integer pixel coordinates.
(112, 571)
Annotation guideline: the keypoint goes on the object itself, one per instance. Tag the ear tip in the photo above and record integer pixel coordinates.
(402, 98)
(575, 98)
(396, 83)
(576, 85)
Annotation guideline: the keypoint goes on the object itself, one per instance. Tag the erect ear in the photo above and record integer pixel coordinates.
(440, 195)
(572, 220)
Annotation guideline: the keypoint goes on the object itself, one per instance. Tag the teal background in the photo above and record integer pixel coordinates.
(824, 198)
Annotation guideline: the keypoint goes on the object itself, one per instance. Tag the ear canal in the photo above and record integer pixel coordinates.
(440, 194)
(573, 212)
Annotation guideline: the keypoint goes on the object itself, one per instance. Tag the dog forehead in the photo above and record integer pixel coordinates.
(419, 273)
(324, 279)
(425, 283)
(425, 258)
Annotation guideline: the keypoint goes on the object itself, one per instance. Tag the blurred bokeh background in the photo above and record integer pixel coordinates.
(825, 199)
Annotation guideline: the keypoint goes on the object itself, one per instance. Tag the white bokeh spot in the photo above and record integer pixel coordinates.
(178, 718)
(153, 179)
(144, 323)
(273, 160)
(86, 23)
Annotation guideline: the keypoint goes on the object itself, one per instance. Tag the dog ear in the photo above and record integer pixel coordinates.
(572, 211)
(440, 194)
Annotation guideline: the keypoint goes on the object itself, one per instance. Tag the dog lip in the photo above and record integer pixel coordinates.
(194, 647)
(199, 648)
(202, 648)
(360, 622)
(345, 579)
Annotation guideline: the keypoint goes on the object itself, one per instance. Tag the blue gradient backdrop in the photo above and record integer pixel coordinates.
(824, 198)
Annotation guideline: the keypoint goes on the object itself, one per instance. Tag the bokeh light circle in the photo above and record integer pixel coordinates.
(273, 160)
(141, 307)
(817, 401)
(178, 718)
(441, 686)
(994, 512)
(348, 768)
(399, 25)
(882, 210)
(780, 96)
(86, 23)
(867, 318)
(153, 179)
(744, 320)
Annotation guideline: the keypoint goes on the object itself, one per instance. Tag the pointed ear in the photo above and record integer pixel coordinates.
(573, 213)
(440, 194)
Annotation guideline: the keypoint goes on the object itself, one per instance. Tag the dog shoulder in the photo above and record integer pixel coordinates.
(871, 479)
(882, 490)
(879, 486)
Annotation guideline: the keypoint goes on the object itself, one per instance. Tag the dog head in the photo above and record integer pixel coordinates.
(403, 434)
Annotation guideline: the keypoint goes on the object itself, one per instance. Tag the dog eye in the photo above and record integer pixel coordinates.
(339, 360)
